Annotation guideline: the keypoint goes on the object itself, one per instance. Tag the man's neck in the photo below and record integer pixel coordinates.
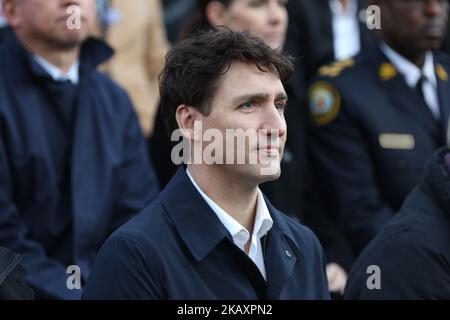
(345, 4)
(63, 59)
(416, 57)
(229, 192)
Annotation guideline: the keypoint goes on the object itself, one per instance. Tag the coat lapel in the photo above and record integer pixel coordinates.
(402, 96)
(281, 253)
(280, 260)
(195, 221)
(442, 75)
(326, 32)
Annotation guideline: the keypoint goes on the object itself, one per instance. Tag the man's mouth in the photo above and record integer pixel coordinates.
(271, 151)
(435, 31)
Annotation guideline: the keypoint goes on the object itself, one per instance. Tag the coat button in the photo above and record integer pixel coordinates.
(289, 255)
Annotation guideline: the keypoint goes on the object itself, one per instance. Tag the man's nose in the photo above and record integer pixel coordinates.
(276, 13)
(68, 3)
(274, 121)
(435, 7)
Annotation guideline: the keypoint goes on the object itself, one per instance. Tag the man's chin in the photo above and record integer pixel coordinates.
(70, 39)
(431, 43)
(270, 172)
(269, 178)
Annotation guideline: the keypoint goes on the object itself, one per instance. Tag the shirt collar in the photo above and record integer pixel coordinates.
(2, 18)
(56, 73)
(3, 22)
(338, 10)
(263, 220)
(410, 71)
(198, 226)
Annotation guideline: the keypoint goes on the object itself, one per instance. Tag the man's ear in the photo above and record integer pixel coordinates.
(216, 13)
(187, 117)
(10, 10)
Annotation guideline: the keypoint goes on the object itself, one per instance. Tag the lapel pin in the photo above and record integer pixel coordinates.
(441, 73)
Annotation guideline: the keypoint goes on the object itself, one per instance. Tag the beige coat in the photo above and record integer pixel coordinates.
(139, 39)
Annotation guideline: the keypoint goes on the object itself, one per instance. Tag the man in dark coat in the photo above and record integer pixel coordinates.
(211, 233)
(73, 162)
(410, 257)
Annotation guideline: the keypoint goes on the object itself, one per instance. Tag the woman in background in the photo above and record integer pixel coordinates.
(267, 19)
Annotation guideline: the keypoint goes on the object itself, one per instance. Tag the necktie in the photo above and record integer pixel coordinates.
(426, 93)
(419, 89)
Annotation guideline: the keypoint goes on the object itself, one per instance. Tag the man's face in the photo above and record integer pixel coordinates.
(414, 26)
(50, 21)
(266, 19)
(254, 101)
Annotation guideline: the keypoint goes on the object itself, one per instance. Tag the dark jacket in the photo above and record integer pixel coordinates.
(12, 277)
(310, 37)
(413, 249)
(2, 33)
(71, 171)
(177, 248)
(370, 142)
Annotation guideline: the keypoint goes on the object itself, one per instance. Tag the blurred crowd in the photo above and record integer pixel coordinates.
(349, 163)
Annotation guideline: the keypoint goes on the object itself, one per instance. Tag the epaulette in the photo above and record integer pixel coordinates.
(441, 72)
(335, 69)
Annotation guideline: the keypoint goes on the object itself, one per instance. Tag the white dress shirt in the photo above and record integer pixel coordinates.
(2, 18)
(263, 223)
(56, 73)
(346, 33)
(413, 73)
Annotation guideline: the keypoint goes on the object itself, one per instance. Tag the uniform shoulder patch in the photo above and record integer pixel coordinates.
(335, 69)
(387, 71)
(324, 102)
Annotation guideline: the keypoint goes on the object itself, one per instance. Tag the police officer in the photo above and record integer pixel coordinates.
(376, 119)
(409, 258)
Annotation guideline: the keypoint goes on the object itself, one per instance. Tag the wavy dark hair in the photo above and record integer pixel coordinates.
(195, 66)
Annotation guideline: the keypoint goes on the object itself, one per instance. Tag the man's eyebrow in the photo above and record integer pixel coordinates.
(282, 96)
(259, 97)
